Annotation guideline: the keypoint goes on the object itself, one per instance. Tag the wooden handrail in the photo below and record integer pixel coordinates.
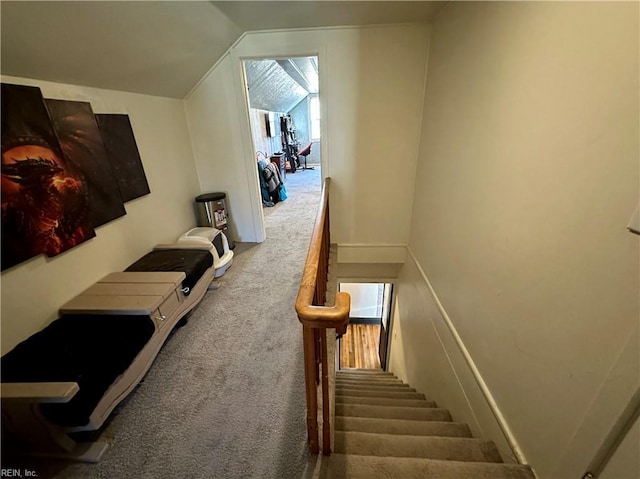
(316, 318)
(311, 313)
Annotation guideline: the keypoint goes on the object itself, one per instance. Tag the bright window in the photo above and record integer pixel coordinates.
(314, 117)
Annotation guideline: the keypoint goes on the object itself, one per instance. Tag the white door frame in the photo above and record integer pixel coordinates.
(270, 52)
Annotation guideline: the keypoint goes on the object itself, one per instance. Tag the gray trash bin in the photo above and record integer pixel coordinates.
(211, 210)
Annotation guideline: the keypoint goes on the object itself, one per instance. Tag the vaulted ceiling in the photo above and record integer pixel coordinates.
(161, 48)
(279, 85)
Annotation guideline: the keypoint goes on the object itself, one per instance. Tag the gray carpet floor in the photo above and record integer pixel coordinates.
(225, 396)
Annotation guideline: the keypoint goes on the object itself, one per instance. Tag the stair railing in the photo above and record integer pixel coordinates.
(316, 318)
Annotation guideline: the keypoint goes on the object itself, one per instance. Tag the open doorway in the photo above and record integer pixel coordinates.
(284, 116)
(364, 345)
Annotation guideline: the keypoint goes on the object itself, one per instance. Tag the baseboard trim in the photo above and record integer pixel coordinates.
(374, 321)
(372, 253)
(486, 392)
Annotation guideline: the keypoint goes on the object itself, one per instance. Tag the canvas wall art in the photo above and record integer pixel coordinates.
(77, 131)
(123, 154)
(45, 200)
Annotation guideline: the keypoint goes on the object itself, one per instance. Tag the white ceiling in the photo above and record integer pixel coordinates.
(160, 48)
(263, 15)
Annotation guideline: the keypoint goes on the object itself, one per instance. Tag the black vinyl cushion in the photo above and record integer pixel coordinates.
(218, 244)
(192, 262)
(92, 350)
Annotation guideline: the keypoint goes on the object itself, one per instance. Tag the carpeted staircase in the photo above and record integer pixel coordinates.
(385, 429)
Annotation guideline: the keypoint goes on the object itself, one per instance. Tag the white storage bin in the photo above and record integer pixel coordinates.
(222, 255)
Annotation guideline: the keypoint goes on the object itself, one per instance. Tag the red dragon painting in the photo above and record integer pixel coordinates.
(44, 200)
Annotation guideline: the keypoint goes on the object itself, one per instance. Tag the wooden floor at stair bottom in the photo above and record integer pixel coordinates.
(359, 347)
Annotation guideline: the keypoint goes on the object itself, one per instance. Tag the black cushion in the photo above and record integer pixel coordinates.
(193, 263)
(92, 350)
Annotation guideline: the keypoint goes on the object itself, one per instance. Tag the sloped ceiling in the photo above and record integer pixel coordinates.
(157, 48)
(279, 85)
(303, 70)
(160, 48)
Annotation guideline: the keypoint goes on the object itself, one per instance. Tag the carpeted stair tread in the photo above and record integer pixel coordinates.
(402, 426)
(366, 377)
(340, 466)
(380, 381)
(375, 387)
(446, 448)
(380, 394)
(384, 401)
(345, 374)
(393, 412)
(385, 429)
(362, 371)
(385, 383)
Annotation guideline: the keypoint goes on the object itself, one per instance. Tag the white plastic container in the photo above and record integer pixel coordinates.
(217, 241)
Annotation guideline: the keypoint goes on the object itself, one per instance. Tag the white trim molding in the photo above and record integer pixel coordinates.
(486, 392)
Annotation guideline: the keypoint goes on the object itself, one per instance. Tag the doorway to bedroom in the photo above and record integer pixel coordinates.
(284, 116)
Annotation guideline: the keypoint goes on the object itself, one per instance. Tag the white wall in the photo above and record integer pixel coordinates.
(366, 299)
(262, 142)
(301, 118)
(625, 462)
(371, 89)
(223, 162)
(528, 173)
(424, 353)
(33, 291)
